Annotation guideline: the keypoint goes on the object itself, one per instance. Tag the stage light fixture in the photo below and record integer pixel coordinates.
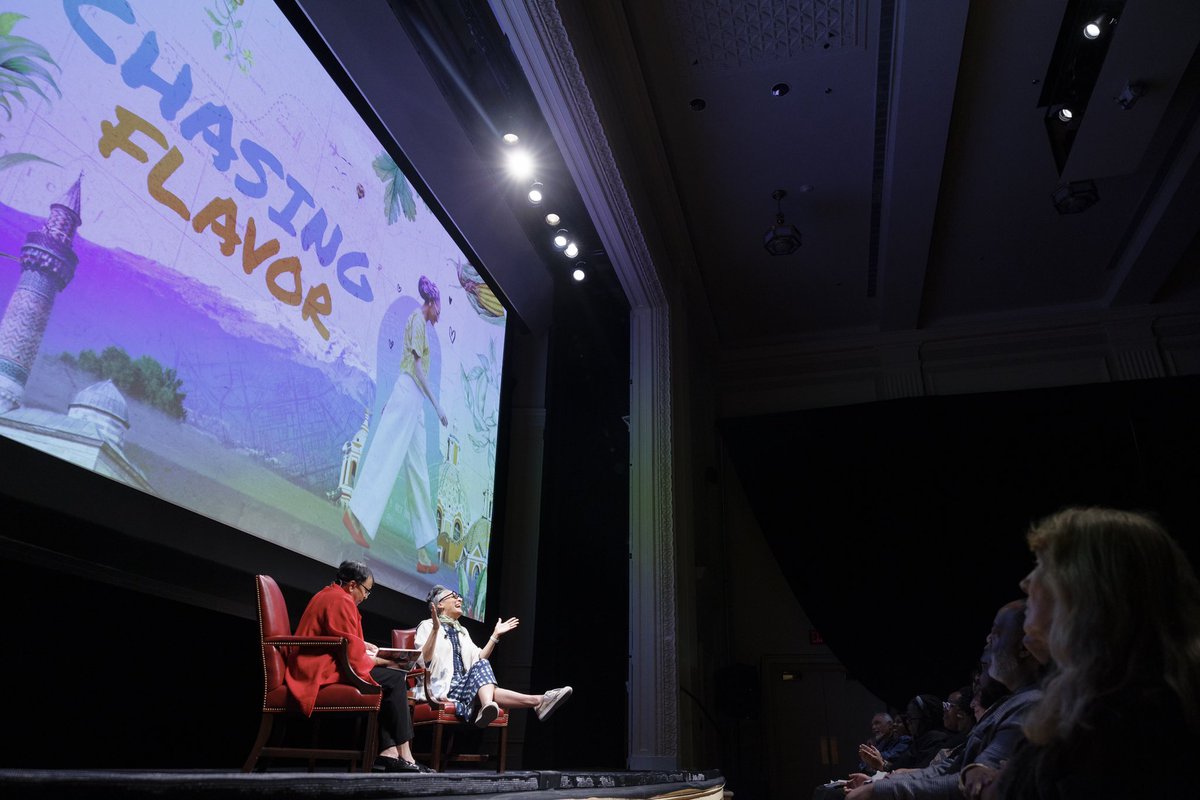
(520, 165)
(535, 193)
(511, 138)
(560, 238)
(553, 219)
(782, 238)
(571, 250)
(1091, 30)
(1065, 114)
(578, 274)
(1075, 197)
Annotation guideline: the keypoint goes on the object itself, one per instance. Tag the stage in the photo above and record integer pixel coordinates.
(517, 785)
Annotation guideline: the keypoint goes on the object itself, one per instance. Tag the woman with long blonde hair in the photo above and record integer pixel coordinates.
(1118, 605)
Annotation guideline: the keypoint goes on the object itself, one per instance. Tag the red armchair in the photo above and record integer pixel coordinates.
(442, 718)
(356, 696)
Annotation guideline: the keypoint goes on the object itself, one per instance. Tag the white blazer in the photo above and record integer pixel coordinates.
(441, 665)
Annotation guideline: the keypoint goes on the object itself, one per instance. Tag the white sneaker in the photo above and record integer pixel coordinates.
(486, 715)
(551, 700)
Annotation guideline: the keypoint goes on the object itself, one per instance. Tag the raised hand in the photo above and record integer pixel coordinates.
(870, 756)
(503, 626)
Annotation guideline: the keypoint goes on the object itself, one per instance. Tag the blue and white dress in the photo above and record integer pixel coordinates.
(456, 670)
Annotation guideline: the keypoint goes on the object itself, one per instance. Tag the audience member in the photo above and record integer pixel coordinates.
(958, 719)
(460, 671)
(924, 718)
(888, 739)
(994, 737)
(986, 692)
(1117, 604)
(957, 716)
(333, 611)
(887, 743)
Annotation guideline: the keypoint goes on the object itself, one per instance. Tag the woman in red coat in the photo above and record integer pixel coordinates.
(333, 611)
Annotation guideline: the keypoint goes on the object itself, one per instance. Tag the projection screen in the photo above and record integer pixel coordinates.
(220, 288)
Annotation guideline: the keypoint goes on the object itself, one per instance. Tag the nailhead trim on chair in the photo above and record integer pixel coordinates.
(262, 651)
(356, 757)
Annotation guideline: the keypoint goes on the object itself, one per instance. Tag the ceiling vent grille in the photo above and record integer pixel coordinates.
(725, 34)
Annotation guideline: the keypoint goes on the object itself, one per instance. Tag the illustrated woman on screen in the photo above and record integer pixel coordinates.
(397, 454)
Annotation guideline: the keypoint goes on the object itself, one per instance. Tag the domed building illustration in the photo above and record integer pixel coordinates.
(451, 513)
(91, 434)
(472, 566)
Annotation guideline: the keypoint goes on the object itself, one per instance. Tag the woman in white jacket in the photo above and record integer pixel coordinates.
(460, 671)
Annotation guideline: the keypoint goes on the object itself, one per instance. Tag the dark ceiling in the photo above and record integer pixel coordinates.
(912, 139)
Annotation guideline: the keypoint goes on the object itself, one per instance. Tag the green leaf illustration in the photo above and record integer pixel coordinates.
(13, 159)
(397, 197)
(21, 66)
(16, 46)
(24, 66)
(7, 20)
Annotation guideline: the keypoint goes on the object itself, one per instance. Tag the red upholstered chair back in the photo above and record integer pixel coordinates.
(441, 715)
(273, 621)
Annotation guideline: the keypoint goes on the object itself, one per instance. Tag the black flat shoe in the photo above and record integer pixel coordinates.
(390, 764)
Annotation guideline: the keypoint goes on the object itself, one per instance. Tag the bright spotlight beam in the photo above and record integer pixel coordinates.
(519, 164)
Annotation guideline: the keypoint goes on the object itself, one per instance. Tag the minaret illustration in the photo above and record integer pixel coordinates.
(47, 266)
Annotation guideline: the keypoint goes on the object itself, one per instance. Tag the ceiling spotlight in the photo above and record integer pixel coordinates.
(1075, 197)
(519, 164)
(560, 238)
(780, 89)
(782, 238)
(1065, 114)
(578, 274)
(511, 138)
(1091, 30)
(571, 250)
(535, 193)
(553, 219)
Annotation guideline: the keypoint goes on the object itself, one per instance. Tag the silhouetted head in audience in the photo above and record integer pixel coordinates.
(924, 714)
(1004, 654)
(1118, 604)
(987, 692)
(881, 726)
(977, 706)
(956, 711)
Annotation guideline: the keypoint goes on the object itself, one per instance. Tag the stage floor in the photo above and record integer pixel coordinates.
(183, 785)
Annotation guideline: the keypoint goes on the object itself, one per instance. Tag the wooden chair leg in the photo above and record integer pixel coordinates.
(503, 749)
(313, 738)
(437, 764)
(370, 743)
(264, 733)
